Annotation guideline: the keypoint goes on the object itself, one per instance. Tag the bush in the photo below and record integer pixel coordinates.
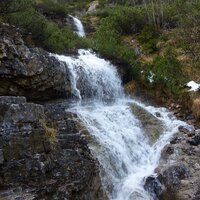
(147, 38)
(107, 39)
(45, 33)
(12, 6)
(124, 19)
(50, 7)
(166, 74)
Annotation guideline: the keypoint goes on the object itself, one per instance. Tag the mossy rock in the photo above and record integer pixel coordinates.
(151, 125)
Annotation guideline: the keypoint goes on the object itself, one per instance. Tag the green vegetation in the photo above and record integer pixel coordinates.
(50, 7)
(147, 39)
(114, 23)
(156, 25)
(29, 15)
(166, 74)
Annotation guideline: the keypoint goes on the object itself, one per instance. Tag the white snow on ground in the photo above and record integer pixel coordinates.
(151, 76)
(193, 86)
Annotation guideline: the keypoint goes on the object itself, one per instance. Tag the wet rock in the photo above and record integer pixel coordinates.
(197, 131)
(167, 183)
(150, 124)
(195, 140)
(183, 130)
(29, 71)
(153, 186)
(158, 114)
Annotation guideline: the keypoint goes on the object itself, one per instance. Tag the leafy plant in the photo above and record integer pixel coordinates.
(166, 74)
(147, 38)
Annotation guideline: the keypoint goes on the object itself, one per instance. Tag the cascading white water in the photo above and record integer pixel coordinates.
(92, 77)
(122, 148)
(79, 26)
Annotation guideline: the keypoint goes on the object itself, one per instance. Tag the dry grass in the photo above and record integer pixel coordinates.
(131, 87)
(50, 133)
(196, 108)
(38, 1)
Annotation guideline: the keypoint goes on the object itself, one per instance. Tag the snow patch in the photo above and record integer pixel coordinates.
(193, 86)
(151, 77)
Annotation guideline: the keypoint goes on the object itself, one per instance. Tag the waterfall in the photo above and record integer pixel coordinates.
(119, 142)
(79, 26)
(92, 77)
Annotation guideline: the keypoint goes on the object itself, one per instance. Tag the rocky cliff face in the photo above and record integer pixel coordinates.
(29, 71)
(43, 150)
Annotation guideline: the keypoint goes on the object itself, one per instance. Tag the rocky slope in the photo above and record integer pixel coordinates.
(43, 150)
(178, 172)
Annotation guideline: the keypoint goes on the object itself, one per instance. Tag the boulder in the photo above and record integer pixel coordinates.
(195, 140)
(93, 7)
(151, 125)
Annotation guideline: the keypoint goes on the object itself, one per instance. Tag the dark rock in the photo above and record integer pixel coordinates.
(165, 185)
(1, 157)
(167, 151)
(183, 130)
(172, 176)
(43, 152)
(191, 134)
(12, 100)
(153, 186)
(158, 114)
(195, 140)
(174, 140)
(29, 71)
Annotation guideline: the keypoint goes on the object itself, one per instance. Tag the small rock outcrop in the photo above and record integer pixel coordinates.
(29, 71)
(93, 7)
(43, 154)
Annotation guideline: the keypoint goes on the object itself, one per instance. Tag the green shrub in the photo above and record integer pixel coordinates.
(52, 7)
(126, 20)
(147, 38)
(166, 74)
(108, 41)
(11, 6)
(45, 33)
